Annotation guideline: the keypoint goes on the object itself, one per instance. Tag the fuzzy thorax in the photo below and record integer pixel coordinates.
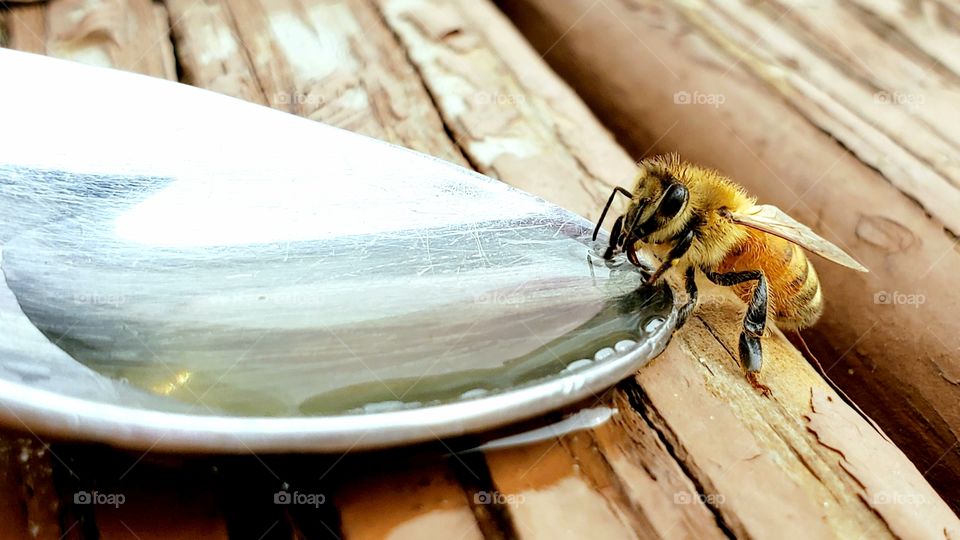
(710, 192)
(719, 243)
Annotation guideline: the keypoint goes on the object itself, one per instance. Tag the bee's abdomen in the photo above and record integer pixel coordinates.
(795, 299)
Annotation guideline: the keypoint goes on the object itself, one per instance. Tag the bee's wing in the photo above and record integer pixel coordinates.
(772, 220)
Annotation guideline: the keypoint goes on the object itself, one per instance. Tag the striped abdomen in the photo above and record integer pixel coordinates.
(795, 300)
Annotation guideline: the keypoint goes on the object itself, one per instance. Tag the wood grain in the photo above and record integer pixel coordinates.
(14, 522)
(209, 51)
(843, 116)
(414, 502)
(29, 503)
(547, 496)
(329, 61)
(930, 27)
(123, 34)
(513, 118)
(650, 476)
(184, 493)
(24, 28)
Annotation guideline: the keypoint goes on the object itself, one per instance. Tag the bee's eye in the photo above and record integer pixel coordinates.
(673, 200)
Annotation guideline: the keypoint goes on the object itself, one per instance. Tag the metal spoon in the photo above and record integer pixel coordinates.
(186, 271)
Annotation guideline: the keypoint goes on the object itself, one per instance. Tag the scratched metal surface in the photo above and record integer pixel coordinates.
(205, 274)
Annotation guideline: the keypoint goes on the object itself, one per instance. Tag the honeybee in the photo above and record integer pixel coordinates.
(703, 220)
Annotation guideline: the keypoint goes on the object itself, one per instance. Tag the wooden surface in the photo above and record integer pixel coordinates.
(843, 113)
(694, 451)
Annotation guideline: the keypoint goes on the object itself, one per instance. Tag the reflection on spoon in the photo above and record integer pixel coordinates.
(583, 419)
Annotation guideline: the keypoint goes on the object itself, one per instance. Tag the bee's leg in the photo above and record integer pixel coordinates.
(686, 309)
(631, 250)
(679, 250)
(615, 234)
(751, 352)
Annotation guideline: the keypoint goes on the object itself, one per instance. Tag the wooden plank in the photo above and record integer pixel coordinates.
(210, 53)
(29, 504)
(548, 498)
(765, 460)
(649, 475)
(333, 62)
(406, 502)
(513, 118)
(929, 26)
(248, 487)
(872, 120)
(886, 337)
(145, 498)
(13, 517)
(25, 28)
(129, 35)
(75, 491)
(881, 79)
(126, 34)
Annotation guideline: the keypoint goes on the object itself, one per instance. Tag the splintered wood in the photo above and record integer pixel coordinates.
(330, 61)
(125, 34)
(693, 452)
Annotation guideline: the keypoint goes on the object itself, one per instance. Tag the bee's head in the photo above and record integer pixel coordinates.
(659, 197)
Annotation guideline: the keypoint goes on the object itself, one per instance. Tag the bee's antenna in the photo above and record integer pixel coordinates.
(603, 214)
